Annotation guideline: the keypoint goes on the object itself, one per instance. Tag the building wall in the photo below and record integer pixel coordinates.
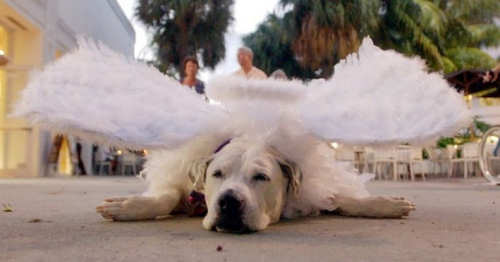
(62, 21)
(39, 32)
(91, 18)
(3, 81)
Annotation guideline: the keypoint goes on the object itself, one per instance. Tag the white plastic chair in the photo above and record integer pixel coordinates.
(128, 162)
(470, 155)
(451, 158)
(419, 165)
(385, 158)
(347, 155)
(437, 157)
(369, 160)
(104, 167)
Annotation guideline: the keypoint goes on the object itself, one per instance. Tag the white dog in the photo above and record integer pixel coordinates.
(260, 153)
(248, 185)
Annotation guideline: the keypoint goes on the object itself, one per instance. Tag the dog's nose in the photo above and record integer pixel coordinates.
(230, 203)
(230, 216)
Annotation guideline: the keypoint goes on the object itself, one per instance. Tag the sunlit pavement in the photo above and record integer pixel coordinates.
(54, 219)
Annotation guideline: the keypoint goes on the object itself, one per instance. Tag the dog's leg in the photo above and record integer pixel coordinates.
(139, 207)
(376, 207)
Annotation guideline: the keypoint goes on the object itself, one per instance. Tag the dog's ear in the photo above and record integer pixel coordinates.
(198, 173)
(294, 175)
(290, 170)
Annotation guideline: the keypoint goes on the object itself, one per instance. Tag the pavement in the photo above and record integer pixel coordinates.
(54, 219)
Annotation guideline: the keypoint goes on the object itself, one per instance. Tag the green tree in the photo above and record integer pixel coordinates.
(322, 32)
(448, 34)
(273, 49)
(476, 28)
(184, 27)
(413, 27)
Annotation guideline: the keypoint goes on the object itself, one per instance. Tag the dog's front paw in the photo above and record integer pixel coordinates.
(392, 207)
(127, 208)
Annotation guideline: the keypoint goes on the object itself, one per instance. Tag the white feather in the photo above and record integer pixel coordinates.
(376, 97)
(232, 89)
(101, 95)
(256, 106)
(381, 97)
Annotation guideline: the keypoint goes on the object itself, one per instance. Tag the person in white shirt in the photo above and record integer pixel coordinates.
(245, 59)
(279, 74)
(492, 75)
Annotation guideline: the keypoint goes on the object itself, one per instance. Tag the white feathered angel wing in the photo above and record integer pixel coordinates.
(381, 97)
(257, 106)
(98, 94)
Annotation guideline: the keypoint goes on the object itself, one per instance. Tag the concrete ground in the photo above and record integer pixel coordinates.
(54, 219)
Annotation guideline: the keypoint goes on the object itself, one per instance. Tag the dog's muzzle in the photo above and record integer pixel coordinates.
(230, 216)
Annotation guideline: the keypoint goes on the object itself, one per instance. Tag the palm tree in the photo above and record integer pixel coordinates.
(447, 33)
(476, 29)
(182, 27)
(471, 11)
(323, 31)
(413, 27)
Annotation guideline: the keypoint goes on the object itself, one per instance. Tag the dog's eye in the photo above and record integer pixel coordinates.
(217, 174)
(261, 177)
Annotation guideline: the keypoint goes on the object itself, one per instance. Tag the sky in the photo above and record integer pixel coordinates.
(494, 51)
(247, 16)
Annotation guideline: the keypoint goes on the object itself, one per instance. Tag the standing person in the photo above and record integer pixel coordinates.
(190, 68)
(279, 74)
(245, 59)
(492, 75)
(81, 167)
(54, 154)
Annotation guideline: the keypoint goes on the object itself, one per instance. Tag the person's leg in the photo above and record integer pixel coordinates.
(497, 148)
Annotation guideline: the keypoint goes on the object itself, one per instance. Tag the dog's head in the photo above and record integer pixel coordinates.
(246, 186)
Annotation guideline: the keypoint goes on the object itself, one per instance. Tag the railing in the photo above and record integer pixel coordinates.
(485, 155)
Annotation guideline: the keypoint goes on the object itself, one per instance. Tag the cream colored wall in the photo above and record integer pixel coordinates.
(18, 141)
(26, 55)
(3, 85)
(50, 29)
(23, 144)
